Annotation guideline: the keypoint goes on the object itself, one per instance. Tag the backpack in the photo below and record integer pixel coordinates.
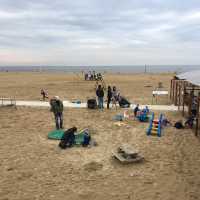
(86, 139)
(178, 125)
(92, 103)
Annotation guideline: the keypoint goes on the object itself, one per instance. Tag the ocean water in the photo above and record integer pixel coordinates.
(103, 69)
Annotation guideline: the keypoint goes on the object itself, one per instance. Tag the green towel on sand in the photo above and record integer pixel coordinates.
(58, 134)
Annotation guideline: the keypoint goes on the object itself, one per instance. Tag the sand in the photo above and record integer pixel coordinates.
(33, 167)
(27, 86)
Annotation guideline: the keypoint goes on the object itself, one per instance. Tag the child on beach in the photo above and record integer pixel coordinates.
(44, 94)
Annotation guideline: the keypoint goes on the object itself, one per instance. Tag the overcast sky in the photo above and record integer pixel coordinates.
(99, 32)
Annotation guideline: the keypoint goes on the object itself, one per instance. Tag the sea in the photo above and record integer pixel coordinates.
(104, 69)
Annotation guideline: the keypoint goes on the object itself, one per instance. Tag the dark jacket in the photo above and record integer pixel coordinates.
(109, 95)
(100, 92)
(68, 138)
(56, 106)
(136, 109)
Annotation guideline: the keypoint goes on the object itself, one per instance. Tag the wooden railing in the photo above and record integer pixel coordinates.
(7, 101)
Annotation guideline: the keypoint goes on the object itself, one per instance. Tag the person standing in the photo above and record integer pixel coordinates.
(136, 109)
(109, 96)
(57, 109)
(115, 96)
(100, 95)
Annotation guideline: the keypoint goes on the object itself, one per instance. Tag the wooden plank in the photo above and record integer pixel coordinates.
(176, 91)
(126, 161)
(128, 149)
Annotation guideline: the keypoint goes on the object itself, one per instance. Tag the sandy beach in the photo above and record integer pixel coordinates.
(33, 167)
(135, 87)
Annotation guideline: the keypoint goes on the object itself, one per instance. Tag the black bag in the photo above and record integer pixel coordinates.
(178, 125)
(124, 103)
(92, 103)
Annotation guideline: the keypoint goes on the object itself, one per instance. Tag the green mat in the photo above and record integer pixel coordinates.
(58, 134)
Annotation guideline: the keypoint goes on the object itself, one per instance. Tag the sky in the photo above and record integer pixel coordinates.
(99, 32)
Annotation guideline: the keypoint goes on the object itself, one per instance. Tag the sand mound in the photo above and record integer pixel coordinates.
(93, 166)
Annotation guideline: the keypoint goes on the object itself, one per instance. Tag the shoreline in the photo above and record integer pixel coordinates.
(127, 69)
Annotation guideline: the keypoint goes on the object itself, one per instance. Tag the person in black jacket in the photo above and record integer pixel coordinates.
(100, 95)
(109, 96)
(68, 138)
(57, 108)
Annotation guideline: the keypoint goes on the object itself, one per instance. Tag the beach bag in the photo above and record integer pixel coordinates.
(178, 125)
(86, 140)
(92, 103)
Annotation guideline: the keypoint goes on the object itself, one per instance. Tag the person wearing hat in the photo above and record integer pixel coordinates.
(57, 109)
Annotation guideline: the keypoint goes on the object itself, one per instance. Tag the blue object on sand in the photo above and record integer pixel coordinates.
(77, 101)
(118, 117)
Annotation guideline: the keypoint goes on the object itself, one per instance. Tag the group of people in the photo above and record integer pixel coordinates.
(112, 96)
(93, 76)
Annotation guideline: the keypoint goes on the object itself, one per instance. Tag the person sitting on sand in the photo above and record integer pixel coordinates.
(146, 110)
(165, 122)
(179, 124)
(57, 109)
(44, 94)
(189, 122)
(68, 138)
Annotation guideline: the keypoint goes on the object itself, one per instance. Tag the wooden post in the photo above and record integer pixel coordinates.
(176, 94)
(184, 91)
(179, 95)
(190, 103)
(171, 90)
(197, 117)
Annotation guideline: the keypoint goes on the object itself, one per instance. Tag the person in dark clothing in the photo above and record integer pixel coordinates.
(179, 125)
(189, 122)
(86, 77)
(109, 96)
(194, 107)
(57, 109)
(136, 109)
(68, 138)
(100, 95)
